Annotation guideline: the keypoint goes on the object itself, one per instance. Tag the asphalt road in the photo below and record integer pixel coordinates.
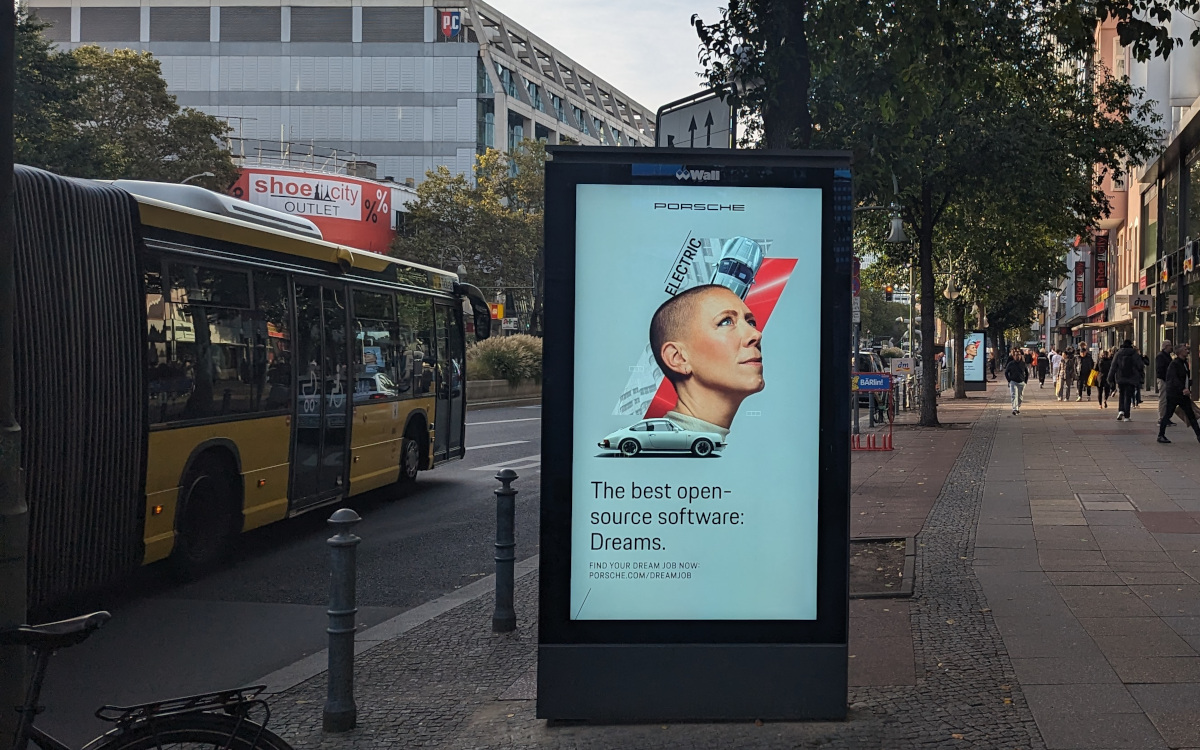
(267, 608)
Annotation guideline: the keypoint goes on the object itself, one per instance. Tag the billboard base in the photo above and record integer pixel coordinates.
(971, 386)
(719, 682)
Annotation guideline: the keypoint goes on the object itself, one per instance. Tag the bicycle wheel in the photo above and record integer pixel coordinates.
(198, 731)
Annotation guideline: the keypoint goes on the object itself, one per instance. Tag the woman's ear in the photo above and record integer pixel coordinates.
(675, 357)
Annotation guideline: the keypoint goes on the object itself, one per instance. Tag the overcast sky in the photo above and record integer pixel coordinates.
(643, 47)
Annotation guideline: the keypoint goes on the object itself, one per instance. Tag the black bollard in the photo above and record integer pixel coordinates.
(504, 618)
(341, 715)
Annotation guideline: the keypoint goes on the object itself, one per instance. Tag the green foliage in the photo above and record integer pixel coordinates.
(879, 316)
(107, 115)
(492, 224)
(511, 358)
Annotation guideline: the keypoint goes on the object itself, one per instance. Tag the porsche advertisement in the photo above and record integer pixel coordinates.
(697, 330)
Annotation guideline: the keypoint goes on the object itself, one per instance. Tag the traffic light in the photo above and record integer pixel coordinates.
(887, 292)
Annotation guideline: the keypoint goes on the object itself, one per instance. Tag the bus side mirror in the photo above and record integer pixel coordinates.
(480, 311)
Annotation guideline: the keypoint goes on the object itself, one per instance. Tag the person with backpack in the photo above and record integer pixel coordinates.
(1086, 365)
(1042, 367)
(1126, 373)
(1104, 388)
(1017, 374)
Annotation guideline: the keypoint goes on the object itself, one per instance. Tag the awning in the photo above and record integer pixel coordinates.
(1101, 326)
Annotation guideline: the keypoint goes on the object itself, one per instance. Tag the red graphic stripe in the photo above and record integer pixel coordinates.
(769, 283)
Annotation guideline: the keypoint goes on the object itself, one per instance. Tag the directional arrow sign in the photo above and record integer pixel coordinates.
(678, 122)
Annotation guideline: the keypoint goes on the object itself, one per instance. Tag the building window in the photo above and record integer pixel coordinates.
(507, 81)
(516, 130)
(484, 84)
(1170, 210)
(1193, 208)
(581, 119)
(485, 125)
(1150, 227)
(616, 137)
(535, 95)
(541, 133)
(557, 102)
(601, 131)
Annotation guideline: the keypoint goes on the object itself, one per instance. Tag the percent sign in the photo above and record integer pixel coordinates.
(376, 207)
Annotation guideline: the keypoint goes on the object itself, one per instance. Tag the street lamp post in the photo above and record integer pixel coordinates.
(186, 180)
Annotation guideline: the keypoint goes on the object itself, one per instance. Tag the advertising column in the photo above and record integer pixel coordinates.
(696, 437)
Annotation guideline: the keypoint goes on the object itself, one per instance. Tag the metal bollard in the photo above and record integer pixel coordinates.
(504, 618)
(341, 715)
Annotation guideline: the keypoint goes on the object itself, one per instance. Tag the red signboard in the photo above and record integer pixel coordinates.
(1101, 261)
(1080, 272)
(348, 210)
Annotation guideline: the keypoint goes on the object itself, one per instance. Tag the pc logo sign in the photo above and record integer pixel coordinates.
(451, 23)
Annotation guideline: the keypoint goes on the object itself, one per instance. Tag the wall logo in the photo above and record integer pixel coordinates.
(451, 23)
(697, 175)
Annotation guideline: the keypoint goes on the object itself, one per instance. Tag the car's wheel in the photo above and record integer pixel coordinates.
(702, 447)
(206, 519)
(410, 459)
(630, 447)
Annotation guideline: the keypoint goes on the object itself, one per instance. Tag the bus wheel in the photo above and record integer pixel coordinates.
(410, 459)
(205, 522)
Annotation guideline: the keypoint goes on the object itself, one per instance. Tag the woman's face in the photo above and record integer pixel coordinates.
(723, 345)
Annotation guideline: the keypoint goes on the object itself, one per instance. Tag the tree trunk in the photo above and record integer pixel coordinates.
(786, 121)
(929, 367)
(960, 350)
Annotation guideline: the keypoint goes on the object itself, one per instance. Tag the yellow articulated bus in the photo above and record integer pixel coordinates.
(191, 366)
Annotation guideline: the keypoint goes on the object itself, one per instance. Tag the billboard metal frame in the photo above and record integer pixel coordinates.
(621, 670)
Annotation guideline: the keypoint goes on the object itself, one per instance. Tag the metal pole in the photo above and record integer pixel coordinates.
(341, 715)
(14, 514)
(504, 617)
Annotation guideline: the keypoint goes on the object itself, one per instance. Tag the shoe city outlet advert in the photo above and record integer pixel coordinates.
(697, 346)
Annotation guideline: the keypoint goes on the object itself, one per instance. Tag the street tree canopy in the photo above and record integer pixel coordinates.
(491, 224)
(108, 115)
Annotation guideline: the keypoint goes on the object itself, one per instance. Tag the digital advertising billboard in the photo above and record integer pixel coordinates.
(975, 361)
(695, 433)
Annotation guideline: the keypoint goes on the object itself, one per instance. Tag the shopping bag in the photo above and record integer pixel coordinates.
(1093, 378)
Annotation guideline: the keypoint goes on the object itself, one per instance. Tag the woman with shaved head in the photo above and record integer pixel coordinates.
(706, 342)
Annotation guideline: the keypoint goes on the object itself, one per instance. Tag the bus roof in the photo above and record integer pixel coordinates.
(175, 217)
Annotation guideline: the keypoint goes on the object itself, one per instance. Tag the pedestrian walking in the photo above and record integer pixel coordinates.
(1126, 373)
(1161, 362)
(1178, 393)
(1068, 373)
(992, 363)
(1055, 368)
(1137, 393)
(1042, 367)
(1086, 365)
(1104, 388)
(1017, 374)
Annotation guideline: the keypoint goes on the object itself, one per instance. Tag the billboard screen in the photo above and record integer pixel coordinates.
(697, 319)
(975, 357)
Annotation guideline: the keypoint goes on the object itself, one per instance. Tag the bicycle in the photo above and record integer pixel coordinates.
(219, 720)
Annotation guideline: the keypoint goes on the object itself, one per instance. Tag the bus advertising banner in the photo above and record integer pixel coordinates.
(696, 435)
(975, 361)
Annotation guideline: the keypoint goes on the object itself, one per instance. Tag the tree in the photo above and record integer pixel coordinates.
(91, 113)
(492, 225)
(151, 138)
(48, 107)
(959, 101)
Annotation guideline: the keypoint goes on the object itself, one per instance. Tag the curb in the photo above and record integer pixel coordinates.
(316, 663)
(910, 567)
(529, 401)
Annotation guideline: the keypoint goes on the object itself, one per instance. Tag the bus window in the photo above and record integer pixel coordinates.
(415, 314)
(272, 342)
(377, 349)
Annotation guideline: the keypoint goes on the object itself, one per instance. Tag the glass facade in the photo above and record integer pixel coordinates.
(485, 125)
(516, 130)
(581, 119)
(1149, 227)
(1193, 204)
(1170, 211)
(535, 95)
(484, 84)
(557, 102)
(507, 80)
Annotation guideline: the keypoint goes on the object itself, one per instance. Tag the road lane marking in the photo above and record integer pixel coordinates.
(512, 463)
(495, 445)
(506, 421)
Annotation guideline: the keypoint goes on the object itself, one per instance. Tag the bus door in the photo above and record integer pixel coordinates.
(324, 395)
(451, 387)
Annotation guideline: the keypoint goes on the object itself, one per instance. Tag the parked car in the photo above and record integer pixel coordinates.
(662, 436)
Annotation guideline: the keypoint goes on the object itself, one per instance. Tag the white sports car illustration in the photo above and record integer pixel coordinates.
(741, 258)
(662, 435)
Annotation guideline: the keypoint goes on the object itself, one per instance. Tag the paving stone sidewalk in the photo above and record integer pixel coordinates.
(444, 683)
(1087, 551)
